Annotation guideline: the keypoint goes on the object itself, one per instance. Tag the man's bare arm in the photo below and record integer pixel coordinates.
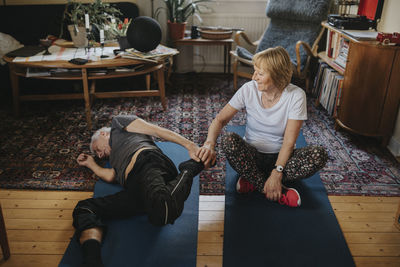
(106, 174)
(143, 127)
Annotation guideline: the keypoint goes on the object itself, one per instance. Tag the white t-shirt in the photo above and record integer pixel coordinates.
(265, 127)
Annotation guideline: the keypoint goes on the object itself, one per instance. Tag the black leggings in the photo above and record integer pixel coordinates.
(256, 167)
(153, 187)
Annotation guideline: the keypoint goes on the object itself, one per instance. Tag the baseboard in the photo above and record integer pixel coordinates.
(394, 147)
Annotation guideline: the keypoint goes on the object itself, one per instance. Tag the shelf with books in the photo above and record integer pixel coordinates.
(357, 83)
(328, 88)
(338, 44)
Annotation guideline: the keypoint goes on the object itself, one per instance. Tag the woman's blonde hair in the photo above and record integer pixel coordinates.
(276, 62)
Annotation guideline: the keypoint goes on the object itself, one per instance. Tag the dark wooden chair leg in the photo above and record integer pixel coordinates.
(3, 237)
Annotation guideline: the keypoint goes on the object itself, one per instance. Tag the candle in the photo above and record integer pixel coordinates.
(101, 36)
(87, 21)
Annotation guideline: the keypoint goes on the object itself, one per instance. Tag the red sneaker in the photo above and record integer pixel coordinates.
(290, 197)
(243, 186)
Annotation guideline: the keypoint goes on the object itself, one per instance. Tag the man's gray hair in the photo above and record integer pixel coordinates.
(96, 136)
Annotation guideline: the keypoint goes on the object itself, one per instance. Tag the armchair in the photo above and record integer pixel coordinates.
(294, 25)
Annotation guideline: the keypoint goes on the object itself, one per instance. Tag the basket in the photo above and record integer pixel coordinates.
(215, 34)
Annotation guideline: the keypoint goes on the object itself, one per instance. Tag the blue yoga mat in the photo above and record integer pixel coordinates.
(135, 242)
(259, 232)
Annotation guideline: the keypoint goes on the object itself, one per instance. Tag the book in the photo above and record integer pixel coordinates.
(361, 35)
(37, 72)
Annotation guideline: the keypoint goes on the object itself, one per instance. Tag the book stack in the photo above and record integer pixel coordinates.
(341, 59)
(154, 56)
(337, 48)
(328, 88)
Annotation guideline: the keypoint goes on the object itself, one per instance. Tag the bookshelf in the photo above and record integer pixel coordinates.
(367, 99)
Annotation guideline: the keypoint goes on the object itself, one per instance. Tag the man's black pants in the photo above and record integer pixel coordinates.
(153, 187)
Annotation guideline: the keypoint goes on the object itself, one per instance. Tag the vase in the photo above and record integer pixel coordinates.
(78, 36)
(176, 30)
(123, 42)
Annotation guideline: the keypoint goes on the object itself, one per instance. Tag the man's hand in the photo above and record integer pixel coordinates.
(85, 160)
(207, 155)
(273, 186)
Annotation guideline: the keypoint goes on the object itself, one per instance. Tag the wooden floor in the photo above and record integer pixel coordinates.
(39, 226)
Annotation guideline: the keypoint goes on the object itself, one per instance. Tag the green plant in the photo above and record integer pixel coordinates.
(100, 13)
(180, 10)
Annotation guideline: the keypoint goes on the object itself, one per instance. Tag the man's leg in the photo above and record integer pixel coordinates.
(164, 190)
(88, 218)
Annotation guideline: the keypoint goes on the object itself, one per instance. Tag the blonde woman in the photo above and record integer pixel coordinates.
(266, 157)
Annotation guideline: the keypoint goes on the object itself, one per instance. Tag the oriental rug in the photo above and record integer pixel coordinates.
(39, 149)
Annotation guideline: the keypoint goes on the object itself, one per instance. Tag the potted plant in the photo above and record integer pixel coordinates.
(99, 13)
(118, 29)
(178, 12)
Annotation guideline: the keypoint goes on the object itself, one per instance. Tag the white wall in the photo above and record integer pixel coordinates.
(227, 13)
(391, 23)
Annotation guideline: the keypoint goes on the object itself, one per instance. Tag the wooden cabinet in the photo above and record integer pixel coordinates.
(371, 88)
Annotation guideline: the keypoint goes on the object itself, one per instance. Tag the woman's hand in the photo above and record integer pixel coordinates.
(273, 186)
(207, 155)
(193, 150)
(85, 160)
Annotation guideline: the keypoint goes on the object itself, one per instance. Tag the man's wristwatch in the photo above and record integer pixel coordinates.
(279, 168)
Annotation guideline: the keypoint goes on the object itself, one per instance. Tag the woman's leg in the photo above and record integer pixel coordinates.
(305, 162)
(243, 157)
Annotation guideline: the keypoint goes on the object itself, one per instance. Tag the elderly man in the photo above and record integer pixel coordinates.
(152, 185)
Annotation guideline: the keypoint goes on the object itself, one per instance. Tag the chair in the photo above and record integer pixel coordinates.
(3, 237)
(294, 25)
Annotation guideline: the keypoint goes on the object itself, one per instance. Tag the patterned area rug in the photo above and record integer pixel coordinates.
(357, 165)
(38, 150)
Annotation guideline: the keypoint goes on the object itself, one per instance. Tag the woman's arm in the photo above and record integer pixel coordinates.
(106, 174)
(207, 151)
(143, 127)
(273, 185)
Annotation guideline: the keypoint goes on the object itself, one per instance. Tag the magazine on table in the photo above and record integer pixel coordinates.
(160, 51)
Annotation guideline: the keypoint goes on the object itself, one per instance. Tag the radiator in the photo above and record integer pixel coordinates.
(211, 58)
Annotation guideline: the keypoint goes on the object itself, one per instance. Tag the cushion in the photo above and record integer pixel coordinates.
(7, 44)
(244, 53)
(313, 11)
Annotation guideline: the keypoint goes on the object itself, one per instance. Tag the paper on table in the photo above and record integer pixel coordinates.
(62, 53)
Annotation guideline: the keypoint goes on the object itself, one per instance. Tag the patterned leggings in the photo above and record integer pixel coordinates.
(256, 167)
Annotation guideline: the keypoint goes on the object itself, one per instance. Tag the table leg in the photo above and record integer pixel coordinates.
(161, 87)
(148, 77)
(225, 56)
(229, 57)
(15, 88)
(86, 97)
(92, 91)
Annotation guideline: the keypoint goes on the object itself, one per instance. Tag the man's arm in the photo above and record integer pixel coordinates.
(143, 127)
(106, 174)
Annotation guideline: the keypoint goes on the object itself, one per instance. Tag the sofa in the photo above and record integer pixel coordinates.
(28, 23)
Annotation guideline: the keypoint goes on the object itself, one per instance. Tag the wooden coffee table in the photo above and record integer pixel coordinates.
(18, 69)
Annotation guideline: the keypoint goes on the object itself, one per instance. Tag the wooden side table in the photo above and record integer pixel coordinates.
(227, 43)
(18, 69)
